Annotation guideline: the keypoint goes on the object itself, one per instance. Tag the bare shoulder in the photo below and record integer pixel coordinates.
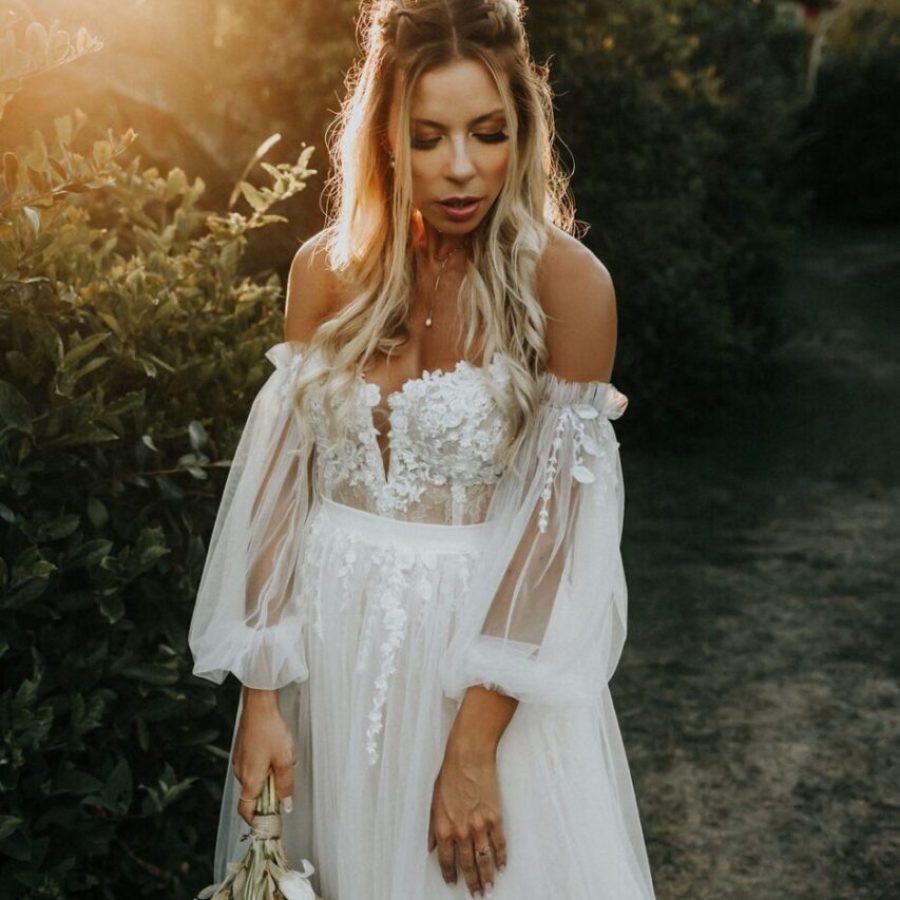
(312, 290)
(578, 297)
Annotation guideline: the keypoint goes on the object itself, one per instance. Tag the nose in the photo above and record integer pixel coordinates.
(460, 165)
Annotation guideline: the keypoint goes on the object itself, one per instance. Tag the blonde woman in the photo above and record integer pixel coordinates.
(415, 571)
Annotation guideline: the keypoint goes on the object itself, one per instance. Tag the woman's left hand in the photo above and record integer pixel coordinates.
(466, 818)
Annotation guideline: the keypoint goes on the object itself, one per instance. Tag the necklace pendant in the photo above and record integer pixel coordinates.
(428, 322)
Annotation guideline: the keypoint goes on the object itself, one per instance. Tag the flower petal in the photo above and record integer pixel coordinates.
(586, 411)
(583, 474)
(589, 445)
(295, 886)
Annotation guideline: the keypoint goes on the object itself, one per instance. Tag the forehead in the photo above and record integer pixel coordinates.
(459, 91)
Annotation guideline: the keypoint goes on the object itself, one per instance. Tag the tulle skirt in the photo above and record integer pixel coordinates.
(371, 725)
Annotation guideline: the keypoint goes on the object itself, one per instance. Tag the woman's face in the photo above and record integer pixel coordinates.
(460, 146)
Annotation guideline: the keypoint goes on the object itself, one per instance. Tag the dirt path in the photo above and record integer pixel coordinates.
(759, 694)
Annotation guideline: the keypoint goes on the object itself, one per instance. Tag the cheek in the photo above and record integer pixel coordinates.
(494, 167)
(426, 173)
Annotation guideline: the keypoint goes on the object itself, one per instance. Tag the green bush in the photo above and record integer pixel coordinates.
(204, 81)
(851, 158)
(679, 117)
(130, 347)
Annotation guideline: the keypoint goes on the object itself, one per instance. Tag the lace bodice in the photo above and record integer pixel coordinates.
(446, 432)
(544, 615)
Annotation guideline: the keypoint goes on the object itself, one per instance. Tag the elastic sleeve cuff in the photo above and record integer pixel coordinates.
(260, 658)
(513, 668)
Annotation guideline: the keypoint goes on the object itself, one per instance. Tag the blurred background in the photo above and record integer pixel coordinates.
(738, 165)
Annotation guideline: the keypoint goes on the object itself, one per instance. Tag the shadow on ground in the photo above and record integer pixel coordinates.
(758, 693)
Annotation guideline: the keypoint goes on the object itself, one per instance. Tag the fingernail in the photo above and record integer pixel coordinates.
(287, 804)
(477, 894)
(488, 889)
(501, 869)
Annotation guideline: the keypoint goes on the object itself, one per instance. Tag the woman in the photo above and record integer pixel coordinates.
(415, 570)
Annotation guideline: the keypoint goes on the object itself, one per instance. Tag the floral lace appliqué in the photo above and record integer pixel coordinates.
(588, 431)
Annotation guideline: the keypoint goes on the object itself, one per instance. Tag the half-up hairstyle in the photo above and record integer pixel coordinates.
(372, 223)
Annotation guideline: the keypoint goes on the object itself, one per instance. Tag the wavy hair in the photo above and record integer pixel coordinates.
(372, 228)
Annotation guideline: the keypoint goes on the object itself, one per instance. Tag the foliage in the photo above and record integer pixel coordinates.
(129, 341)
(852, 158)
(679, 118)
(200, 82)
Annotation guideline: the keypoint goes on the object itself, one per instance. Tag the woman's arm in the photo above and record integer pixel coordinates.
(578, 296)
(263, 740)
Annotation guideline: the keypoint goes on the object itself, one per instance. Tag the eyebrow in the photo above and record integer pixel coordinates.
(494, 113)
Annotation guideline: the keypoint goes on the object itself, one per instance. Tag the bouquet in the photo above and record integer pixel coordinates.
(263, 873)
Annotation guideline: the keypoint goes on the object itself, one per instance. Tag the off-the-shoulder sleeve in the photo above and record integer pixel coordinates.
(247, 618)
(545, 619)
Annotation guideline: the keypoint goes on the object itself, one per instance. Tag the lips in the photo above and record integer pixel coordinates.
(459, 209)
(459, 202)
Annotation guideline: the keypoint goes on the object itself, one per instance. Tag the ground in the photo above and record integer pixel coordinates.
(758, 693)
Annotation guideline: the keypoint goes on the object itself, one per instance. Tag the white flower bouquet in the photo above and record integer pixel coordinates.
(264, 872)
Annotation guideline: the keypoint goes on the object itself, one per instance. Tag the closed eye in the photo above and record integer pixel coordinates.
(493, 137)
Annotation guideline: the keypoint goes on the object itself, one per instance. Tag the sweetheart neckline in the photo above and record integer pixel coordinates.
(389, 398)
(427, 375)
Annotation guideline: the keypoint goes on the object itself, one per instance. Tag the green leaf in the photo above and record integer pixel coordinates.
(15, 410)
(97, 512)
(90, 553)
(24, 593)
(112, 607)
(158, 674)
(59, 528)
(38, 179)
(90, 366)
(82, 349)
(198, 435)
(8, 824)
(118, 789)
(126, 403)
(76, 781)
(27, 692)
(150, 546)
(253, 196)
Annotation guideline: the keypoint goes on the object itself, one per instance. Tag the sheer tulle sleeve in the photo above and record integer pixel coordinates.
(545, 619)
(247, 618)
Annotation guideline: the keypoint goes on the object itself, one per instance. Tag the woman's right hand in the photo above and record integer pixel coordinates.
(263, 742)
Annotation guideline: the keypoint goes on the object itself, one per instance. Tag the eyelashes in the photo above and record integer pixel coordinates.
(494, 137)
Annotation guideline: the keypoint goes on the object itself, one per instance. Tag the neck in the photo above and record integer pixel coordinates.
(437, 246)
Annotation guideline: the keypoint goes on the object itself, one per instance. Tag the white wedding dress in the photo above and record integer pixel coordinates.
(372, 599)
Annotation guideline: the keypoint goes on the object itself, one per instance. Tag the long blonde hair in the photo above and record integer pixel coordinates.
(370, 239)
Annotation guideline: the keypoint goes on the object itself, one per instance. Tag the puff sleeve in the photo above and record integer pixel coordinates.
(545, 620)
(247, 617)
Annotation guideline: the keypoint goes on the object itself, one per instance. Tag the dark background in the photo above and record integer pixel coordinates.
(738, 166)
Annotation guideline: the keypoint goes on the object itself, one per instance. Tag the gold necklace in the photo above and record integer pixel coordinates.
(429, 319)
